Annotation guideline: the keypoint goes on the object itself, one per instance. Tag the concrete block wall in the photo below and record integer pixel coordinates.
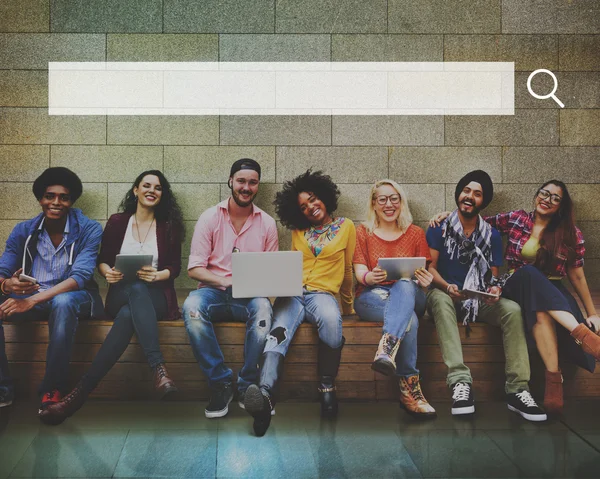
(427, 154)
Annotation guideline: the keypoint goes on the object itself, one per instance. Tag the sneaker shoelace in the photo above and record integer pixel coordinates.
(161, 371)
(526, 398)
(461, 392)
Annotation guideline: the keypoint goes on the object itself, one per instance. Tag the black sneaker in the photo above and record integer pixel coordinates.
(462, 395)
(6, 397)
(220, 397)
(523, 403)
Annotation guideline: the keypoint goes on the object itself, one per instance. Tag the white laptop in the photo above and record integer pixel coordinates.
(265, 275)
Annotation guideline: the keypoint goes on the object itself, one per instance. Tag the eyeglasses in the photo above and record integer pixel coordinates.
(383, 199)
(545, 194)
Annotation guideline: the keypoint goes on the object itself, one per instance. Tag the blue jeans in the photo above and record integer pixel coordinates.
(62, 313)
(397, 306)
(205, 306)
(319, 309)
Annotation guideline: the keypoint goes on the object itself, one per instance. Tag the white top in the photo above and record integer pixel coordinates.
(131, 246)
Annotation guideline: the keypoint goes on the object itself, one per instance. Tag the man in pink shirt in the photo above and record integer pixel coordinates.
(233, 225)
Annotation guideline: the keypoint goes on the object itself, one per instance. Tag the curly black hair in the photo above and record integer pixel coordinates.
(286, 200)
(58, 175)
(167, 210)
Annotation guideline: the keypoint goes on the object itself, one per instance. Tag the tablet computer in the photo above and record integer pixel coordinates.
(471, 293)
(401, 268)
(130, 264)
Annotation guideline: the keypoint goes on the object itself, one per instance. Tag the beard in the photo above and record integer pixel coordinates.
(238, 201)
(470, 214)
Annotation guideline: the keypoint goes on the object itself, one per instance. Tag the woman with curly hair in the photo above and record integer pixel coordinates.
(151, 223)
(306, 205)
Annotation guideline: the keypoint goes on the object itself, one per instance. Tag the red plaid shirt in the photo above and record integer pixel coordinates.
(517, 225)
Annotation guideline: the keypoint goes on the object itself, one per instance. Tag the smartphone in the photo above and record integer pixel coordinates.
(24, 277)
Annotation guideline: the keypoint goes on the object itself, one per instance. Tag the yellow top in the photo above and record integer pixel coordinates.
(331, 270)
(529, 253)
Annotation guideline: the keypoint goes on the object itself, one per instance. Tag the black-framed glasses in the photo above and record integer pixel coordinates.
(383, 199)
(545, 194)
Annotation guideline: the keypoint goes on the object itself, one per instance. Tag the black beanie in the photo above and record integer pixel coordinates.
(481, 177)
(245, 164)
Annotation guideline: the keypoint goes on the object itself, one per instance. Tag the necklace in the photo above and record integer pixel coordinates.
(137, 227)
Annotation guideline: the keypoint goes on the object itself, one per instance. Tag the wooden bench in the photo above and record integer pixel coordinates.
(131, 377)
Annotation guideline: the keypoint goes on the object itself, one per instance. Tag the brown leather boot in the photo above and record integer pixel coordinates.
(56, 413)
(553, 393)
(412, 399)
(588, 340)
(163, 384)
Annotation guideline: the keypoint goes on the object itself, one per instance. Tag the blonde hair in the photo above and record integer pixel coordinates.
(405, 218)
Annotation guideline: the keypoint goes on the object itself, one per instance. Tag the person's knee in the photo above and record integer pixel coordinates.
(260, 314)
(138, 288)
(405, 287)
(531, 272)
(194, 307)
(64, 305)
(278, 340)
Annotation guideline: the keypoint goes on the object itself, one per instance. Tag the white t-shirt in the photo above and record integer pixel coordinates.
(131, 246)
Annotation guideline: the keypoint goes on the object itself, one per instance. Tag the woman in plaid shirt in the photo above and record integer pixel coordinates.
(544, 246)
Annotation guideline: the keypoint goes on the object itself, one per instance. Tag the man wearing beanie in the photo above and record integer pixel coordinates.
(235, 224)
(46, 273)
(466, 253)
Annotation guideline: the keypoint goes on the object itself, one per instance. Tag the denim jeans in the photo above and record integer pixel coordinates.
(397, 306)
(136, 308)
(62, 312)
(207, 305)
(318, 308)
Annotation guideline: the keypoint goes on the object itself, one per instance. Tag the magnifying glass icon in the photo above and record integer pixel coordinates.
(549, 95)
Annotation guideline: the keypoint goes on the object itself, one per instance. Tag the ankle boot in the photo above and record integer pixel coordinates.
(553, 393)
(588, 340)
(385, 357)
(163, 384)
(412, 399)
(328, 363)
(259, 401)
(56, 413)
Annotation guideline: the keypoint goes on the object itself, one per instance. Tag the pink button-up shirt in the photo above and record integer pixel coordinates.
(215, 238)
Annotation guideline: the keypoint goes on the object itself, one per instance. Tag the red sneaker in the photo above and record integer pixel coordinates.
(49, 398)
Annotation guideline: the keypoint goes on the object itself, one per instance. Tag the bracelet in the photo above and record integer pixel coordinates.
(364, 278)
(2, 287)
(448, 289)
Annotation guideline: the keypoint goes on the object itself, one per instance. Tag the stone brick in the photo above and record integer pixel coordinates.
(24, 16)
(550, 16)
(274, 48)
(23, 88)
(74, 16)
(93, 201)
(162, 48)
(6, 226)
(275, 130)
(580, 127)
(195, 198)
(527, 51)
(579, 52)
(219, 16)
(585, 199)
(387, 48)
(18, 202)
(343, 164)
(444, 16)
(343, 16)
(388, 130)
(211, 164)
(163, 130)
(35, 126)
(108, 163)
(23, 162)
(591, 234)
(34, 50)
(443, 164)
(538, 164)
(526, 127)
(575, 90)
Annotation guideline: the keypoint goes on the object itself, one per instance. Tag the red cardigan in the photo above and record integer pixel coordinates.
(169, 254)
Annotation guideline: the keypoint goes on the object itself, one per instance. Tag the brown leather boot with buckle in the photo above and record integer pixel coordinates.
(412, 399)
(553, 393)
(163, 384)
(588, 340)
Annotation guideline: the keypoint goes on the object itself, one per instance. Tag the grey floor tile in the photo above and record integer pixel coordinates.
(592, 436)
(548, 454)
(14, 441)
(284, 452)
(69, 452)
(342, 451)
(164, 453)
(582, 414)
(450, 453)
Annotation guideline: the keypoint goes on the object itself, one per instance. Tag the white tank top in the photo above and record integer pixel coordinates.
(131, 246)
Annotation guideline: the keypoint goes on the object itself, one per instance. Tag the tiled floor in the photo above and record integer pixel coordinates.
(368, 440)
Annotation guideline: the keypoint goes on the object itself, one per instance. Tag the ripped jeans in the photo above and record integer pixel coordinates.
(206, 306)
(318, 308)
(397, 306)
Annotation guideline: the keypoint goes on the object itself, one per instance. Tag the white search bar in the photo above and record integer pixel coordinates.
(281, 88)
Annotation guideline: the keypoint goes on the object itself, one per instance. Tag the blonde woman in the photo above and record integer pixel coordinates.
(389, 233)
